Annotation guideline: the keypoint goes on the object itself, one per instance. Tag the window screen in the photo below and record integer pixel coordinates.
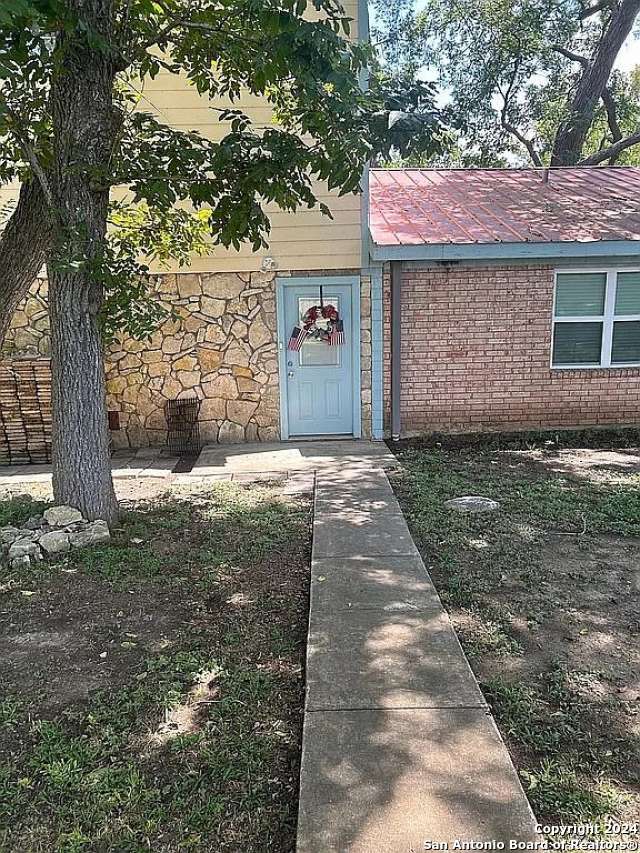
(579, 296)
(596, 319)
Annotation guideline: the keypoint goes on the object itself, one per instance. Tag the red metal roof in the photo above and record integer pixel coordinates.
(411, 207)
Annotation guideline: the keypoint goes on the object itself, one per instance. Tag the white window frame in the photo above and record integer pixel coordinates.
(607, 319)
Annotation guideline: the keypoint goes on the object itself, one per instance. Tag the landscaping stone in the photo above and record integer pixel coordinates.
(472, 504)
(60, 529)
(9, 535)
(26, 536)
(55, 542)
(24, 548)
(95, 533)
(61, 516)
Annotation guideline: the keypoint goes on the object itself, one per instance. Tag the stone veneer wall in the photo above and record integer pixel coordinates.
(28, 335)
(220, 346)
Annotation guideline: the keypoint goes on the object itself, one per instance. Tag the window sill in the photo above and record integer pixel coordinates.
(565, 367)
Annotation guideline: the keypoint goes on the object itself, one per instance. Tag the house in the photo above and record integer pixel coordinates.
(226, 345)
(512, 297)
(454, 301)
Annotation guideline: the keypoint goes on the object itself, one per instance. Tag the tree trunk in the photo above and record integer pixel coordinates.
(571, 135)
(23, 245)
(83, 130)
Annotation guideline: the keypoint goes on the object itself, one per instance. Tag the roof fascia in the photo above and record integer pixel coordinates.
(506, 251)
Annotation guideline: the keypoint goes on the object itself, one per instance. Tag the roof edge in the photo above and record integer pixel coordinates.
(504, 251)
(553, 169)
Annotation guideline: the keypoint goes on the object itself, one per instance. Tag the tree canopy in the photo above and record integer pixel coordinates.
(307, 70)
(524, 82)
(73, 126)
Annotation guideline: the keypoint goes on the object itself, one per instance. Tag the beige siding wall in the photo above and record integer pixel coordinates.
(305, 240)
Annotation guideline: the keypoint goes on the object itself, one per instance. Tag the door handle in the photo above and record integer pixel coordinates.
(290, 374)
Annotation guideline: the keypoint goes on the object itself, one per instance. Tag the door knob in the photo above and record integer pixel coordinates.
(290, 374)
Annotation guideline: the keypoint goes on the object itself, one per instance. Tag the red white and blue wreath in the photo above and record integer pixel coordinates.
(320, 323)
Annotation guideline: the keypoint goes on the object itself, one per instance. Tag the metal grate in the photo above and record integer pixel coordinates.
(183, 436)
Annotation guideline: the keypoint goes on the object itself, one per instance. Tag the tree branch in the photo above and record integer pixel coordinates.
(528, 144)
(607, 97)
(30, 155)
(597, 7)
(23, 244)
(172, 25)
(574, 57)
(572, 133)
(512, 129)
(612, 118)
(612, 151)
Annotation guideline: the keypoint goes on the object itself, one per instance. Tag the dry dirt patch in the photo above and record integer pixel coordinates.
(152, 688)
(545, 596)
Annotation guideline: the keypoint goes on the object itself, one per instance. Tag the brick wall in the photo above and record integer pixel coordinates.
(476, 352)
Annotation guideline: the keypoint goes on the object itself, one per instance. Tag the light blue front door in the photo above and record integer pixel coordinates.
(319, 377)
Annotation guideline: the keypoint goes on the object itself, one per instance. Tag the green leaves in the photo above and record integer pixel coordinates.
(161, 236)
(408, 124)
(187, 191)
(503, 69)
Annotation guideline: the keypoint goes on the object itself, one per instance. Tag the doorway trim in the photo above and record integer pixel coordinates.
(353, 283)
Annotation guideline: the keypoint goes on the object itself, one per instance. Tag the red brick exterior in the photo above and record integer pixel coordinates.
(476, 349)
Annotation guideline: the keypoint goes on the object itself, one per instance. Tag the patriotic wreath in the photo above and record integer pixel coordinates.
(319, 320)
(320, 323)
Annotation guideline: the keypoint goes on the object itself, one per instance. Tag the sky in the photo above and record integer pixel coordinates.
(628, 57)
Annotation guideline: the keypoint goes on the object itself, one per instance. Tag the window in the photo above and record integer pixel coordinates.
(596, 320)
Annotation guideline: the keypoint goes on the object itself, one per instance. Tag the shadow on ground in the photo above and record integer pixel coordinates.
(545, 596)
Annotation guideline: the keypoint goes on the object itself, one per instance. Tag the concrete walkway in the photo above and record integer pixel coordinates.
(125, 465)
(399, 747)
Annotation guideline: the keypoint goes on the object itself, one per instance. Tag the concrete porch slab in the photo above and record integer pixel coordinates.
(379, 659)
(291, 456)
(149, 462)
(387, 781)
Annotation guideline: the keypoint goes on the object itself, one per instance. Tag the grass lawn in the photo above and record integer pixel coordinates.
(151, 690)
(545, 597)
